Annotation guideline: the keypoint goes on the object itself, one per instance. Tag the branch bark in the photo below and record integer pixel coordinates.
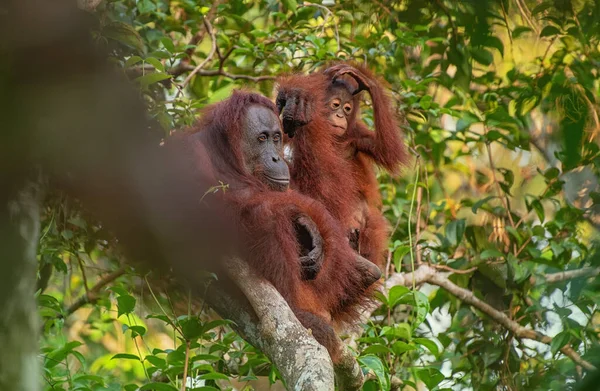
(509, 324)
(19, 231)
(92, 295)
(267, 322)
(572, 274)
(428, 274)
(348, 373)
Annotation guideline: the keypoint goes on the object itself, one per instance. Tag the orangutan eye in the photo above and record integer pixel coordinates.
(277, 136)
(348, 108)
(262, 138)
(335, 104)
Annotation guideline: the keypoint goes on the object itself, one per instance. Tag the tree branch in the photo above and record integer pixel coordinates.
(426, 273)
(266, 321)
(183, 68)
(521, 332)
(348, 373)
(571, 274)
(213, 49)
(92, 295)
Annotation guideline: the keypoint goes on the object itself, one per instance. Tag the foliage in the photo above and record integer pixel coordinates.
(501, 107)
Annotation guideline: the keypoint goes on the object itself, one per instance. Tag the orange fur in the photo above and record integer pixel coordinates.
(266, 220)
(339, 171)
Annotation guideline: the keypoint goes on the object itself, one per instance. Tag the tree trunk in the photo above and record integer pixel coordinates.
(19, 230)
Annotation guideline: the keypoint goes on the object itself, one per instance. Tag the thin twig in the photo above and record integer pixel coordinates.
(450, 21)
(505, 17)
(503, 196)
(452, 270)
(522, 247)
(418, 225)
(186, 365)
(175, 325)
(412, 204)
(526, 17)
(199, 36)
(329, 15)
(183, 68)
(209, 57)
(92, 295)
(83, 275)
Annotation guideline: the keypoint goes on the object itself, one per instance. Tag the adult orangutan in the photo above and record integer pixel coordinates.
(333, 151)
(290, 239)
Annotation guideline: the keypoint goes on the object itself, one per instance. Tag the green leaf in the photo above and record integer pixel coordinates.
(480, 203)
(399, 330)
(549, 31)
(497, 273)
(215, 323)
(422, 307)
(381, 297)
(126, 356)
(207, 357)
(377, 348)
(49, 302)
(493, 135)
(430, 376)
(168, 44)
(541, 7)
(455, 230)
(152, 78)
(137, 330)
(156, 361)
(491, 355)
(156, 64)
(482, 56)
(492, 41)
(214, 376)
(191, 328)
(132, 61)
(518, 270)
(221, 93)
(78, 377)
(426, 102)
(126, 35)
(164, 318)
(491, 253)
(290, 5)
(559, 341)
(157, 387)
(59, 355)
(552, 173)
(466, 121)
(396, 293)
(399, 253)
(400, 347)
(125, 304)
(375, 364)
(146, 6)
(429, 344)
(520, 30)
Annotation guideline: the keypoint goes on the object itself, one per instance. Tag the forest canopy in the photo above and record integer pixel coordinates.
(491, 280)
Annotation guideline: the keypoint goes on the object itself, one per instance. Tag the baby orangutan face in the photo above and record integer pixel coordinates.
(340, 104)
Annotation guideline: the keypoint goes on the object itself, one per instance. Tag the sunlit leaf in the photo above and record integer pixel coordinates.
(374, 364)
